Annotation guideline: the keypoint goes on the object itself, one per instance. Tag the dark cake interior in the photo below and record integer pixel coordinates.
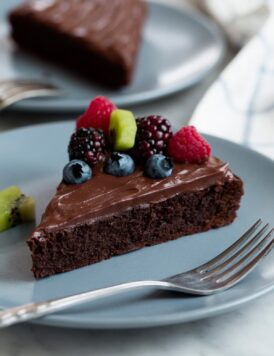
(108, 216)
(97, 38)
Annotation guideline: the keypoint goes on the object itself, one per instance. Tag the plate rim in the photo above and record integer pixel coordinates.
(70, 321)
(135, 99)
(61, 320)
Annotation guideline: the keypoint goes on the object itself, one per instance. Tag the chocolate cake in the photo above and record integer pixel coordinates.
(98, 38)
(108, 216)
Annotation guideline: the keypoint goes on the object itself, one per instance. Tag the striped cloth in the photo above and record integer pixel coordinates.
(239, 106)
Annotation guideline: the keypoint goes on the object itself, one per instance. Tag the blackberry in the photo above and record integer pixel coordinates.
(88, 145)
(153, 134)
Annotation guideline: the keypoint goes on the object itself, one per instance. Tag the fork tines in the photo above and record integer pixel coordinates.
(12, 91)
(240, 258)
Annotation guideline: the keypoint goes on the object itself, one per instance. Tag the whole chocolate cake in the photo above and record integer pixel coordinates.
(97, 38)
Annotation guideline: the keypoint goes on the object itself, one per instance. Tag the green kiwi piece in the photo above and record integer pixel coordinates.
(122, 130)
(15, 208)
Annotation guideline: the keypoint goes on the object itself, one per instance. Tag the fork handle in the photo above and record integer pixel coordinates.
(36, 310)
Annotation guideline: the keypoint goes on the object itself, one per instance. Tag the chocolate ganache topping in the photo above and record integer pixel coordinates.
(104, 195)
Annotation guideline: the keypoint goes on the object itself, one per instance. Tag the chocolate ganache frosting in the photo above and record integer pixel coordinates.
(104, 195)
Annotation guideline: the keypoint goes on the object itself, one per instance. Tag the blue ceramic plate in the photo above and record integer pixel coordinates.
(179, 48)
(34, 158)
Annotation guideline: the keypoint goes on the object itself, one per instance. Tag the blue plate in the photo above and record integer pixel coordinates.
(34, 158)
(179, 48)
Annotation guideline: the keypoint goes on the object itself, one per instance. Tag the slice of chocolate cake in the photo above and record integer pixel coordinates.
(108, 216)
(98, 38)
(122, 191)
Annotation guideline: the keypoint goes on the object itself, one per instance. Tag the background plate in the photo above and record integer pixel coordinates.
(179, 48)
(35, 163)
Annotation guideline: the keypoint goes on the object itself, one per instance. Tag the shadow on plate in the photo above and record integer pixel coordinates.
(15, 258)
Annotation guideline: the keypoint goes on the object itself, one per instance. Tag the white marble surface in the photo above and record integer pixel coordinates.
(244, 332)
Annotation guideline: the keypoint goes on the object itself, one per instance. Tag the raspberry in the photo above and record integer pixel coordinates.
(153, 134)
(97, 114)
(88, 145)
(188, 146)
(82, 122)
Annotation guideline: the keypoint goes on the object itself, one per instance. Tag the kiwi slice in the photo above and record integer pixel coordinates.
(122, 130)
(15, 208)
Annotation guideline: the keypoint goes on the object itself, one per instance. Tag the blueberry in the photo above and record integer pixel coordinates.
(76, 172)
(119, 165)
(158, 166)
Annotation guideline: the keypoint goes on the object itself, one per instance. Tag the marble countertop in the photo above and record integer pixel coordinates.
(244, 332)
(247, 331)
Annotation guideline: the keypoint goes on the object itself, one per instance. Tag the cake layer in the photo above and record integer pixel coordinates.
(97, 38)
(108, 216)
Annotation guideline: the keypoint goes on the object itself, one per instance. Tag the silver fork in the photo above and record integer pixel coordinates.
(220, 273)
(12, 91)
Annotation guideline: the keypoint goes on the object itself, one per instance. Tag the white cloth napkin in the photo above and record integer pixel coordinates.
(240, 19)
(239, 106)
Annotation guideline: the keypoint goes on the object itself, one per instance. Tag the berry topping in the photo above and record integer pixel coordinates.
(97, 114)
(158, 166)
(188, 146)
(119, 165)
(76, 172)
(87, 145)
(82, 121)
(153, 134)
(122, 130)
